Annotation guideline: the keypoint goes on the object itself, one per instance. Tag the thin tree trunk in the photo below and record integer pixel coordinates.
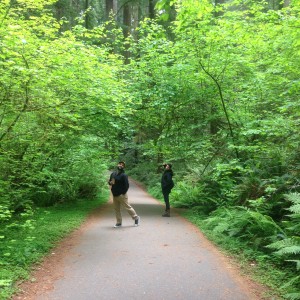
(109, 7)
(87, 21)
(215, 80)
(151, 9)
(126, 28)
(25, 105)
(126, 19)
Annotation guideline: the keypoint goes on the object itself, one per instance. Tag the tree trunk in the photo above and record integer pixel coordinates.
(151, 9)
(126, 28)
(126, 19)
(109, 7)
(87, 21)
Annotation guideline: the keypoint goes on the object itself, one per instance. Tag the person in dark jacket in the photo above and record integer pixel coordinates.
(119, 186)
(166, 185)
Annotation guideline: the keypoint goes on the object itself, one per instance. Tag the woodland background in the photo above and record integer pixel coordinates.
(209, 86)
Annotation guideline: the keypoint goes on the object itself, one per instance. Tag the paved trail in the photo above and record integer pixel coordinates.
(162, 259)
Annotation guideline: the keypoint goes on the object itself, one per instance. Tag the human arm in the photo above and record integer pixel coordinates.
(111, 180)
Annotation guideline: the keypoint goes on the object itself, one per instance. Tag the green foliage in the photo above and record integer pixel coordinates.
(294, 294)
(289, 247)
(189, 195)
(58, 99)
(252, 227)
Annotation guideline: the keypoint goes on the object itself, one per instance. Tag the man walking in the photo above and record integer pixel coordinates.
(119, 186)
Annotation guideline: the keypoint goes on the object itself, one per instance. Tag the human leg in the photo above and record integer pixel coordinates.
(166, 199)
(117, 207)
(167, 202)
(127, 206)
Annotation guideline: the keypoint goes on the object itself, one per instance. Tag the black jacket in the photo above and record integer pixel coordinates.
(121, 185)
(166, 180)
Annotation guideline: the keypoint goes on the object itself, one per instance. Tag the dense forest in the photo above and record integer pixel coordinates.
(209, 86)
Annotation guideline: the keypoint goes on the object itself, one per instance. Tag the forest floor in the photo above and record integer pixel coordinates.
(163, 258)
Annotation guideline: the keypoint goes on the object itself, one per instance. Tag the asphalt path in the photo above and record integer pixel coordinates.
(162, 259)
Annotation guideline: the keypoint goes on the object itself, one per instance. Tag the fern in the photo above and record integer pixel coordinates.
(297, 263)
(289, 248)
(295, 209)
(287, 242)
(221, 227)
(265, 222)
(245, 224)
(295, 199)
(294, 294)
(294, 250)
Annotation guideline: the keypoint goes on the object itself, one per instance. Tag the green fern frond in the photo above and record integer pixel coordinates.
(292, 296)
(294, 216)
(210, 223)
(289, 250)
(293, 197)
(295, 209)
(221, 227)
(282, 244)
(264, 223)
(297, 263)
(290, 283)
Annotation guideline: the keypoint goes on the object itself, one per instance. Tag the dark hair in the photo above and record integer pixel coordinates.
(170, 165)
(123, 163)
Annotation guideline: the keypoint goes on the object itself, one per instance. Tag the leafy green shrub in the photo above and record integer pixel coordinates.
(251, 186)
(249, 226)
(263, 191)
(288, 249)
(5, 205)
(223, 180)
(189, 195)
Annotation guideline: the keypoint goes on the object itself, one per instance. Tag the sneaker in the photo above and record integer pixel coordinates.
(118, 225)
(166, 214)
(137, 221)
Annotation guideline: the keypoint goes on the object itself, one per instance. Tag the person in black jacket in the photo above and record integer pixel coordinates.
(166, 185)
(119, 186)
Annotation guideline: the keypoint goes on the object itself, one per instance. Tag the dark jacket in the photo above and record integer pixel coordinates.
(166, 181)
(121, 185)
